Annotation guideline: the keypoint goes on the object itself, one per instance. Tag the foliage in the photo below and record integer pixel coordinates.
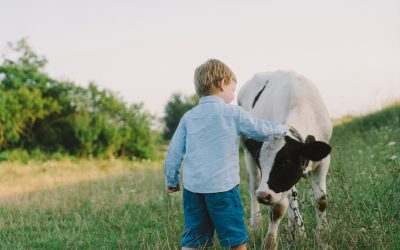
(174, 110)
(38, 112)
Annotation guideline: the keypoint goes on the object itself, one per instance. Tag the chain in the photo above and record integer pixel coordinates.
(297, 215)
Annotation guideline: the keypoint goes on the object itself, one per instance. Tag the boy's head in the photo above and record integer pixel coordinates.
(211, 77)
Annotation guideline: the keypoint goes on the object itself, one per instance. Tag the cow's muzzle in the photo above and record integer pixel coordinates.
(264, 198)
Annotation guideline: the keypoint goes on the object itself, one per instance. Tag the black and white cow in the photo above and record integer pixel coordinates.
(287, 98)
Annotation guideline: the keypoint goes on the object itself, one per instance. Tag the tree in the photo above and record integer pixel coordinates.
(23, 103)
(38, 112)
(175, 109)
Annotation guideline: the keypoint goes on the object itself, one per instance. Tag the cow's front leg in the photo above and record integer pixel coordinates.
(296, 225)
(276, 213)
(319, 195)
(254, 180)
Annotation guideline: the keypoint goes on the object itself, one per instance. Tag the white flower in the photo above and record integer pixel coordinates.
(393, 157)
(392, 143)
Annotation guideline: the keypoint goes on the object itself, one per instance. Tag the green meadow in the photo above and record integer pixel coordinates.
(99, 204)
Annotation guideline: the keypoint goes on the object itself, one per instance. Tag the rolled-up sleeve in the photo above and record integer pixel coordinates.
(258, 129)
(175, 154)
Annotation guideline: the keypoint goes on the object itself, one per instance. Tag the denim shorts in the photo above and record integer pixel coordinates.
(204, 213)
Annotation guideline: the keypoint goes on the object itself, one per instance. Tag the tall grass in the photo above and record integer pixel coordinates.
(123, 205)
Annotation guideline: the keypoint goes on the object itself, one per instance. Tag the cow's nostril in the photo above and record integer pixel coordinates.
(264, 198)
(262, 195)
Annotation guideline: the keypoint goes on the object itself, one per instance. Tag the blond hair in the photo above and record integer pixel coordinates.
(208, 75)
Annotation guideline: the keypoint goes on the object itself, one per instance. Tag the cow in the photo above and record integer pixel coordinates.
(275, 166)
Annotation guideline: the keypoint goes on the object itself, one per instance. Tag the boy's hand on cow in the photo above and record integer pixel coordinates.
(173, 189)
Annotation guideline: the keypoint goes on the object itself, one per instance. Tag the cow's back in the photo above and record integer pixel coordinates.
(288, 98)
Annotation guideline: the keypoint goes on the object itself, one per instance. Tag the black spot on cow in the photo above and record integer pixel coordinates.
(258, 95)
(309, 139)
(322, 203)
(290, 161)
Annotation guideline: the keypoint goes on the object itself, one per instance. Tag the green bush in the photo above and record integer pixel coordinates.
(43, 116)
(18, 155)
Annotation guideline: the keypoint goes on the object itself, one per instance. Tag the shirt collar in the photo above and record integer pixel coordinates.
(211, 99)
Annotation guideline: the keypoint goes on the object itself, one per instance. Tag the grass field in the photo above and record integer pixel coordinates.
(122, 205)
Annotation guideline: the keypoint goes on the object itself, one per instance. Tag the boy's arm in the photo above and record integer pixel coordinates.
(174, 157)
(259, 129)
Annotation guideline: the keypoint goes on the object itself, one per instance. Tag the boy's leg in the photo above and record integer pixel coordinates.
(226, 213)
(199, 230)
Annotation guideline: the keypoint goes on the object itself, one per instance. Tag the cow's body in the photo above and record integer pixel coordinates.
(286, 98)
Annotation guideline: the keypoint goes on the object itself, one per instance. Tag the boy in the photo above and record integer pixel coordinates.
(208, 137)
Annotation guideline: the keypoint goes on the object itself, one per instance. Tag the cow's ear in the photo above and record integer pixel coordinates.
(316, 150)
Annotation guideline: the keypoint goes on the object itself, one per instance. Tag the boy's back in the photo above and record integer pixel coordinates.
(212, 143)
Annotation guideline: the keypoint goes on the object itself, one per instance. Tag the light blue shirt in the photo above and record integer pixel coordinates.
(207, 140)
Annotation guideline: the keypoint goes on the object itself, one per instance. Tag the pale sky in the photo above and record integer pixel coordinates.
(148, 50)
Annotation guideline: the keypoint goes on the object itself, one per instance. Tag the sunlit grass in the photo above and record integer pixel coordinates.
(94, 204)
(84, 204)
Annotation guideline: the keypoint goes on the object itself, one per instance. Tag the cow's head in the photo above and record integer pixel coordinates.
(282, 162)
